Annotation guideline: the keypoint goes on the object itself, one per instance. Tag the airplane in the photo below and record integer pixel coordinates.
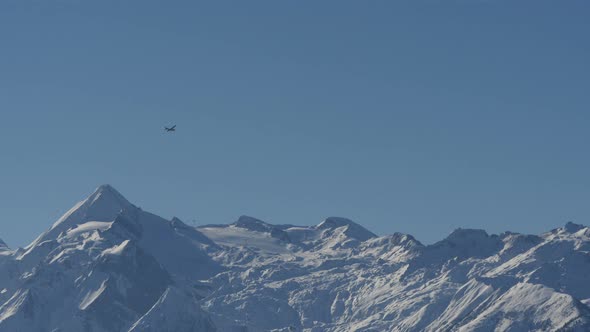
(173, 128)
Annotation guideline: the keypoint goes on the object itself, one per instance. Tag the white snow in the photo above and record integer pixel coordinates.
(88, 227)
(238, 237)
(116, 250)
(91, 296)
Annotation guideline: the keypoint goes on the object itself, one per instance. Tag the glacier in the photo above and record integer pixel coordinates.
(107, 265)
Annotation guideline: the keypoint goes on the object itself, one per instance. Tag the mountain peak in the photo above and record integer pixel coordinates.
(104, 204)
(461, 233)
(335, 222)
(248, 220)
(252, 224)
(352, 229)
(104, 187)
(568, 228)
(107, 191)
(571, 227)
(464, 242)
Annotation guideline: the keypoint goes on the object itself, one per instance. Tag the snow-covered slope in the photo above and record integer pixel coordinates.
(101, 267)
(107, 265)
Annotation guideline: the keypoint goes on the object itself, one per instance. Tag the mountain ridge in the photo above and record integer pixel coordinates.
(111, 266)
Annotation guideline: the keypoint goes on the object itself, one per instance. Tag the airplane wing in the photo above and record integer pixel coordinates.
(173, 127)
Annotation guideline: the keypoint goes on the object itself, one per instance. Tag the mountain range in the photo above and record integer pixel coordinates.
(107, 265)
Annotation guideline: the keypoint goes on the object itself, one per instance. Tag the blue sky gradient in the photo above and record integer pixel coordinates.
(405, 116)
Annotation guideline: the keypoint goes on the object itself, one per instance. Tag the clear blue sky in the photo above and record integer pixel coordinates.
(410, 116)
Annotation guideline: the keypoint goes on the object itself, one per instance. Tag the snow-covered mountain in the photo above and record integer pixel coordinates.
(107, 265)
